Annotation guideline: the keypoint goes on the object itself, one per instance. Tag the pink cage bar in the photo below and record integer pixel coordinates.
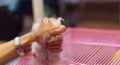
(86, 47)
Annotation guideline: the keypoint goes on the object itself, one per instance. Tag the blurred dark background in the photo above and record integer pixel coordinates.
(16, 16)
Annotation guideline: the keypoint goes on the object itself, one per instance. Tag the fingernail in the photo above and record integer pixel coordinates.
(54, 33)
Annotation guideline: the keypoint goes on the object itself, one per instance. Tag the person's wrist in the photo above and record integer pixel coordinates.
(19, 48)
(26, 41)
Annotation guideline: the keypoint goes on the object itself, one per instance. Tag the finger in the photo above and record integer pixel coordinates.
(57, 38)
(56, 50)
(58, 31)
(54, 46)
(57, 42)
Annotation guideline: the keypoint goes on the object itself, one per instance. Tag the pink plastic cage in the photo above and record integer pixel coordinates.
(87, 47)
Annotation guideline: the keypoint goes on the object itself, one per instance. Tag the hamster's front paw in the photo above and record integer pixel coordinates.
(38, 53)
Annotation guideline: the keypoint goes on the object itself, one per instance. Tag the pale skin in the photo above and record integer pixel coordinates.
(8, 51)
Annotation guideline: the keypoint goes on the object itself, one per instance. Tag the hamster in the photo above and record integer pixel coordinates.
(43, 28)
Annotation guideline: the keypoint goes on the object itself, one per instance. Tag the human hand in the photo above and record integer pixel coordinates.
(50, 31)
(55, 43)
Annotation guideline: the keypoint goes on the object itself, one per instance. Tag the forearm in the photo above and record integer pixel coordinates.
(8, 51)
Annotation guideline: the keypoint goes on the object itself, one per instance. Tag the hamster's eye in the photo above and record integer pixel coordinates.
(62, 21)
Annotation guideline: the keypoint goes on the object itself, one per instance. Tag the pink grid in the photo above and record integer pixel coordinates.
(86, 46)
